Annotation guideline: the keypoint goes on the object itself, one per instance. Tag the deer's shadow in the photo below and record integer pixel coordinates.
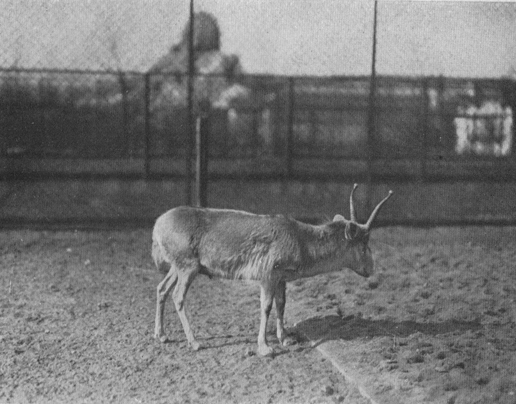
(334, 327)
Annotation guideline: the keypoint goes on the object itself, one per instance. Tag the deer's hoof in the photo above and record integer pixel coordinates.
(288, 341)
(265, 351)
(195, 345)
(161, 337)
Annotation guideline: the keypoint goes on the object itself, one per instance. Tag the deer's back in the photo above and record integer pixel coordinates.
(228, 243)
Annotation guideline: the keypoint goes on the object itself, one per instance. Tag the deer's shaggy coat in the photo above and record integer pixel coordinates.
(239, 245)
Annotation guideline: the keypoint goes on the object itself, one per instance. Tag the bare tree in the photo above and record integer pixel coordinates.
(110, 37)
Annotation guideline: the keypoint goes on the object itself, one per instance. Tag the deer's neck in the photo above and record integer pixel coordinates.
(323, 246)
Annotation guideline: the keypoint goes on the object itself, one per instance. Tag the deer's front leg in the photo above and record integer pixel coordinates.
(185, 278)
(266, 299)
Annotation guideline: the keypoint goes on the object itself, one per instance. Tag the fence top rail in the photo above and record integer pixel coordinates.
(380, 77)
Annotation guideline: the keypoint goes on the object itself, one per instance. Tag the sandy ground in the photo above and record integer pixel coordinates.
(435, 324)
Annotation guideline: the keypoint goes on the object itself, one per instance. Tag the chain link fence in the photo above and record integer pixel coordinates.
(389, 91)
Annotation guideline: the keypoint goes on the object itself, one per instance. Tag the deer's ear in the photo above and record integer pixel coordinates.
(351, 231)
(338, 218)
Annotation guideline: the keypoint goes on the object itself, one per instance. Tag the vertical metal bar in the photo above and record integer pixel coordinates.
(146, 152)
(290, 129)
(42, 102)
(441, 87)
(371, 122)
(125, 139)
(255, 140)
(425, 125)
(201, 163)
(191, 118)
(198, 161)
(511, 102)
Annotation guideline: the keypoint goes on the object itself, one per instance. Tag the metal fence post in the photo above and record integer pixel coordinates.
(190, 105)
(146, 152)
(371, 122)
(290, 129)
(424, 128)
(126, 140)
(441, 87)
(201, 158)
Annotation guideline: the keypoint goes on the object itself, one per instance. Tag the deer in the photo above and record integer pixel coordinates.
(270, 249)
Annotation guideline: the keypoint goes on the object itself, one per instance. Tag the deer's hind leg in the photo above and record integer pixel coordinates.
(164, 288)
(186, 274)
(280, 300)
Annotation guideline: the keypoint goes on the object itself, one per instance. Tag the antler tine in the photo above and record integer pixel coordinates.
(351, 206)
(376, 210)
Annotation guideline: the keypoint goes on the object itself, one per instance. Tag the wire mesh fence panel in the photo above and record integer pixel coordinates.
(64, 121)
(330, 117)
(255, 108)
(462, 106)
(480, 117)
(400, 117)
(168, 115)
(21, 118)
(470, 128)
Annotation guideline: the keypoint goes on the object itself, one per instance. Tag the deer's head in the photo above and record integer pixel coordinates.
(358, 254)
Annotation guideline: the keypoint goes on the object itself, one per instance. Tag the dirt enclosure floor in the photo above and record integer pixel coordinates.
(436, 324)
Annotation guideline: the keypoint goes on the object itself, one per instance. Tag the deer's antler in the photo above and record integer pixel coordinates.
(367, 226)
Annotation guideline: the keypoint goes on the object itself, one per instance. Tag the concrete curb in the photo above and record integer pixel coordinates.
(326, 351)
